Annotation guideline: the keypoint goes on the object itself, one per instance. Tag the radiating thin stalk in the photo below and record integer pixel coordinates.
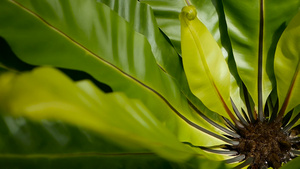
(235, 159)
(206, 131)
(229, 124)
(260, 62)
(295, 140)
(238, 114)
(245, 115)
(291, 124)
(292, 154)
(223, 146)
(235, 135)
(249, 110)
(295, 152)
(244, 164)
(225, 152)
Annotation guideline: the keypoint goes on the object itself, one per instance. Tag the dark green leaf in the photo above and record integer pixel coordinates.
(292, 164)
(201, 55)
(55, 97)
(287, 67)
(254, 29)
(48, 144)
(109, 50)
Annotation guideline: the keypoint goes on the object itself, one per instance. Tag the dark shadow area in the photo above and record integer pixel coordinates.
(77, 75)
(9, 59)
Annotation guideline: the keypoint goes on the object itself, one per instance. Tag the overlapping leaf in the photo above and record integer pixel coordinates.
(287, 67)
(118, 57)
(141, 17)
(212, 15)
(134, 79)
(114, 116)
(49, 144)
(254, 28)
(209, 12)
(204, 64)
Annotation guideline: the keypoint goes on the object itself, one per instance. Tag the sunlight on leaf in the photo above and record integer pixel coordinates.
(287, 66)
(56, 97)
(204, 64)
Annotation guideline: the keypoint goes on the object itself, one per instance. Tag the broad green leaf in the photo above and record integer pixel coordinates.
(24, 139)
(292, 164)
(204, 64)
(209, 12)
(287, 66)
(124, 162)
(236, 85)
(9, 60)
(254, 28)
(99, 42)
(141, 17)
(166, 14)
(124, 121)
(13, 63)
(54, 144)
(212, 15)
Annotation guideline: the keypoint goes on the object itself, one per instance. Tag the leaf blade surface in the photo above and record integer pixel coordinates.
(205, 66)
(108, 53)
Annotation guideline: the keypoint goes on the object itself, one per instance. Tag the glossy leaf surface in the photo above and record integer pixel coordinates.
(141, 17)
(254, 28)
(118, 57)
(111, 50)
(205, 66)
(166, 14)
(55, 97)
(287, 66)
(209, 12)
(53, 144)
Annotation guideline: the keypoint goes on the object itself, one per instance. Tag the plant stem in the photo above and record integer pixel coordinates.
(260, 60)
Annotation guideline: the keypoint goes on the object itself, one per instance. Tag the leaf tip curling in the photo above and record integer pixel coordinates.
(189, 12)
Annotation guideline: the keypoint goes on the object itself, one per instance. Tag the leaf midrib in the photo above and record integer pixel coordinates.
(209, 75)
(289, 93)
(190, 123)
